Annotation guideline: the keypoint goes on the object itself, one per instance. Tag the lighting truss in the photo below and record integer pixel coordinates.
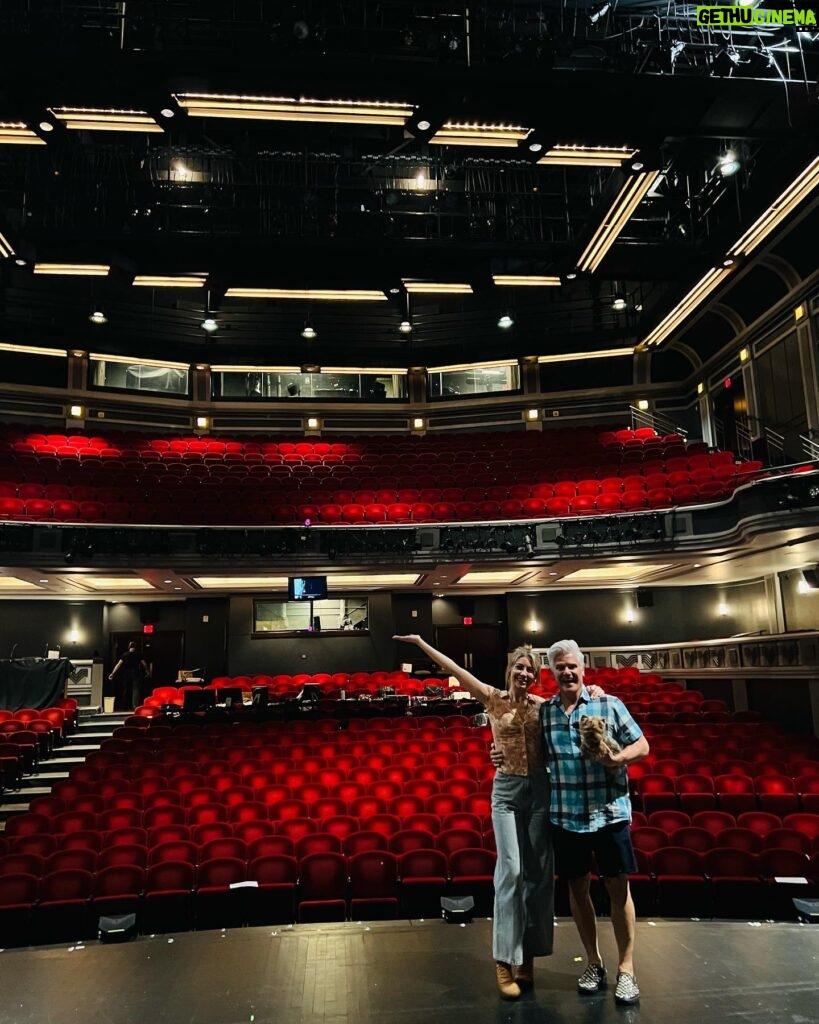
(17, 133)
(104, 119)
(499, 135)
(628, 199)
(288, 108)
(587, 156)
(704, 287)
(780, 208)
(309, 294)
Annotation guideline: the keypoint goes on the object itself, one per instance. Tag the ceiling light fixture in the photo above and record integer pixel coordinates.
(437, 288)
(18, 133)
(72, 269)
(98, 317)
(104, 119)
(598, 11)
(619, 303)
(780, 208)
(669, 323)
(498, 135)
(626, 202)
(289, 108)
(505, 322)
(46, 126)
(405, 327)
(209, 324)
(728, 164)
(308, 294)
(587, 156)
(309, 332)
(526, 280)
(169, 280)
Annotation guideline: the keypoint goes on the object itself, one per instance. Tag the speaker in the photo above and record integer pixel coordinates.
(260, 697)
(316, 623)
(645, 598)
(117, 929)
(457, 909)
(811, 578)
(149, 614)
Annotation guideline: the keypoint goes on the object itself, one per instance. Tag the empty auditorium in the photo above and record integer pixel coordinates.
(409, 512)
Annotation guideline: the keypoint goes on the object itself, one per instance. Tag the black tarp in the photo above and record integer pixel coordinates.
(32, 682)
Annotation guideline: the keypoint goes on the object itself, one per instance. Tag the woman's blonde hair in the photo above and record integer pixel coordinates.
(524, 651)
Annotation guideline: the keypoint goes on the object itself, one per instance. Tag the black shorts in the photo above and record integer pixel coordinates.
(610, 847)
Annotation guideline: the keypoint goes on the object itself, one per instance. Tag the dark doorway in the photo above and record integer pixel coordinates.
(162, 652)
(479, 649)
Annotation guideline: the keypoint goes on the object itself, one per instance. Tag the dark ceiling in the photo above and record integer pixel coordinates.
(260, 203)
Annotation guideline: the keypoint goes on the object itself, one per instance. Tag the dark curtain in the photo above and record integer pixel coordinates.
(32, 682)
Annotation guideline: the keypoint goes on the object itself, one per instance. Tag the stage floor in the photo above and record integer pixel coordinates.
(403, 972)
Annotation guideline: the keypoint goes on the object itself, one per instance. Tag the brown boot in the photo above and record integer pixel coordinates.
(507, 986)
(525, 974)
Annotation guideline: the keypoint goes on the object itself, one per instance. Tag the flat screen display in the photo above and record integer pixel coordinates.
(307, 588)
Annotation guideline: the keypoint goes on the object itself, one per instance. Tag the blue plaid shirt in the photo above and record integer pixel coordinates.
(586, 796)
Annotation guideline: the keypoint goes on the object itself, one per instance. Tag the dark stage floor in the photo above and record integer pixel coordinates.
(406, 972)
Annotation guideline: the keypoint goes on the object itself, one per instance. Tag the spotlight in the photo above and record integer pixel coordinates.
(309, 332)
(598, 11)
(618, 303)
(405, 327)
(728, 164)
(209, 325)
(724, 63)
(505, 322)
(98, 317)
(571, 275)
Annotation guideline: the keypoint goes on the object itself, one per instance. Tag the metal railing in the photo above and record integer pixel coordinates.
(662, 424)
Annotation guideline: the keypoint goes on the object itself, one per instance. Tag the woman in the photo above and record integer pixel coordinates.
(523, 922)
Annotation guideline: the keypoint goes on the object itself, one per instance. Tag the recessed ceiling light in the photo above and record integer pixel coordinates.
(167, 581)
(46, 126)
(535, 147)
(167, 112)
(177, 588)
(571, 276)
(309, 332)
(728, 164)
(424, 126)
(42, 581)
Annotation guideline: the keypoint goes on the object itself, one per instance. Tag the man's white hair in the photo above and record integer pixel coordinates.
(563, 647)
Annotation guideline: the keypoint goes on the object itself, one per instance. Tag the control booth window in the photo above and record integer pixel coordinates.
(285, 383)
(137, 375)
(340, 615)
(485, 379)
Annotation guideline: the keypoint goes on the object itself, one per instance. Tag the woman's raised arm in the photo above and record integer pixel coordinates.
(472, 685)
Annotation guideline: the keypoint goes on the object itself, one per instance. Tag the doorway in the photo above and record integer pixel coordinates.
(163, 653)
(479, 649)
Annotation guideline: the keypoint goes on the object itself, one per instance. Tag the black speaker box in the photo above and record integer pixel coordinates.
(811, 578)
(645, 598)
(117, 929)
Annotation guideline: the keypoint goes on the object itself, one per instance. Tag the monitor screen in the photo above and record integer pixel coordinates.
(198, 700)
(307, 588)
(229, 694)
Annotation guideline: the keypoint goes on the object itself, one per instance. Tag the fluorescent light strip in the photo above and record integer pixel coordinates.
(33, 350)
(310, 294)
(569, 357)
(433, 288)
(72, 269)
(508, 576)
(133, 360)
(526, 280)
(17, 133)
(160, 281)
(702, 288)
(384, 370)
(6, 248)
(14, 583)
(587, 156)
(235, 368)
(286, 108)
(472, 366)
(504, 135)
(793, 195)
(627, 201)
(101, 119)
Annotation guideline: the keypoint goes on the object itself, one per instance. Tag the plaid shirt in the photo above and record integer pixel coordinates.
(585, 795)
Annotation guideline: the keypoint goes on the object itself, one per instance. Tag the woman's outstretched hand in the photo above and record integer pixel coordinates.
(410, 638)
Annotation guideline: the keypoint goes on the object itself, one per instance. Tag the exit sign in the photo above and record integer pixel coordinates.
(467, 620)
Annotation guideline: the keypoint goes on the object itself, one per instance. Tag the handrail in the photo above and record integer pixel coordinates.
(662, 424)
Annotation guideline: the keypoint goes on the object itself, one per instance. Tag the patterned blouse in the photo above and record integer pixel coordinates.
(517, 733)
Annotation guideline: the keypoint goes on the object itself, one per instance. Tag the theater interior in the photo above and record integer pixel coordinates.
(326, 322)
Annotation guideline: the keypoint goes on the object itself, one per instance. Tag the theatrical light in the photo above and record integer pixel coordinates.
(642, 405)
(532, 414)
(18, 133)
(499, 135)
(420, 180)
(308, 332)
(437, 288)
(598, 11)
(628, 199)
(728, 164)
(669, 323)
(794, 194)
(405, 327)
(569, 357)
(308, 294)
(312, 423)
(725, 61)
(505, 322)
(288, 108)
(209, 324)
(98, 317)
(167, 112)
(526, 280)
(587, 156)
(169, 280)
(72, 269)
(6, 248)
(103, 119)
(618, 303)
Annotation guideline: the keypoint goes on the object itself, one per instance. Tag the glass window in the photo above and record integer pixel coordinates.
(473, 380)
(139, 376)
(29, 368)
(276, 384)
(344, 614)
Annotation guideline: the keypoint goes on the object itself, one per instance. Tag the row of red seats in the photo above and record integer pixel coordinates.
(778, 794)
(803, 839)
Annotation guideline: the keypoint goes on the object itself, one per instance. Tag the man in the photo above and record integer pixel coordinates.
(590, 813)
(134, 671)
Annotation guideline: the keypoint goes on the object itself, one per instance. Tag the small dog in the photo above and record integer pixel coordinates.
(595, 743)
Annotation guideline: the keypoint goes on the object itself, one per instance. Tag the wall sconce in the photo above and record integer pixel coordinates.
(799, 312)
(312, 423)
(74, 635)
(700, 388)
(76, 412)
(533, 625)
(631, 615)
(532, 414)
(418, 423)
(743, 355)
(802, 586)
(722, 608)
(202, 422)
(642, 405)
